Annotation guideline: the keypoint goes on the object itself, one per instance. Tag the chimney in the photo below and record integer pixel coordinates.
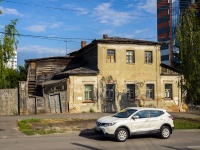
(105, 36)
(83, 44)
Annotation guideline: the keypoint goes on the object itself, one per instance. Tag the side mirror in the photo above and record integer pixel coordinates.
(135, 117)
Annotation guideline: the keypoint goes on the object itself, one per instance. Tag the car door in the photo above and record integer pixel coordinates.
(140, 125)
(156, 120)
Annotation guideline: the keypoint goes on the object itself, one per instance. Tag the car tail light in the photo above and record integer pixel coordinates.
(170, 117)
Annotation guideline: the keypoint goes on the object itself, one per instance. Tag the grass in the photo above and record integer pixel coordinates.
(187, 123)
(50, 126)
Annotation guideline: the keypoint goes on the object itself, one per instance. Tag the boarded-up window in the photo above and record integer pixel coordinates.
(33, 65)
(110, 56)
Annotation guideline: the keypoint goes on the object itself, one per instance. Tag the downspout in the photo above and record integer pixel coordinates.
(156, 74)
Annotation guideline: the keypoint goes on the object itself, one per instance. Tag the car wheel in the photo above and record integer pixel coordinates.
(121, 135)
(165, 132)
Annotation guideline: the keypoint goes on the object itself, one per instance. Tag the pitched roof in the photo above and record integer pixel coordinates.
(119, 40)
(46, 58)
(116, 40)
(79, 71)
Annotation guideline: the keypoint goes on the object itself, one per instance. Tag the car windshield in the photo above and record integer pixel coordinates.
(125, 113)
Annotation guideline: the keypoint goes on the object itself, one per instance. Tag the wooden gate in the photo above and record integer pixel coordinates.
(55, 105)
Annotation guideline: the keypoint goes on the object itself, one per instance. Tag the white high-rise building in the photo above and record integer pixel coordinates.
(12, 63)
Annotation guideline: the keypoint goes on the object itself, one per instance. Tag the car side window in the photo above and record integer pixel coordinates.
(142, 114)
(155, 113)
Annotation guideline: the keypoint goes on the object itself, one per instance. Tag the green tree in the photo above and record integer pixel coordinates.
(187, 39)
(12, 78)
(23, 70)
(7, 45)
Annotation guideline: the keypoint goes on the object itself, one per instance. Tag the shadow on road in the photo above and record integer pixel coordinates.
(90, 134)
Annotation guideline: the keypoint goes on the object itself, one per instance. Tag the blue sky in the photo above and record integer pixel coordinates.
(72, 21)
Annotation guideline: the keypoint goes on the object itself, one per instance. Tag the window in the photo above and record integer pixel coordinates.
(130, 56)
(150, 91)
(164, 57)
(142, 114)
(110, 56)
(155, 113)
(148, 57)
(110, 92)
(33, 65)
(130, 91)
(88, 92)
(168, 91)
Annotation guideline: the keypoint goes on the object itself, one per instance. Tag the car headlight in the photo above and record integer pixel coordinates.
(109, 124)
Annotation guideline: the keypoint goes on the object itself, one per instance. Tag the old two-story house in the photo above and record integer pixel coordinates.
(106, 75)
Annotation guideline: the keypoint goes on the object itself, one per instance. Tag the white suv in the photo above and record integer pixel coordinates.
(134, 121)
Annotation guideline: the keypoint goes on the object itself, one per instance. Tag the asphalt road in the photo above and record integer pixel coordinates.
(12, 139)
(9, 128)
(179, 140)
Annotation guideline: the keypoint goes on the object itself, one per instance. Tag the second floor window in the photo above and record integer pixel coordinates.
(110, 92)
(110, 56)
(130, 56)
(150, 91)
(148, 57)
(88, 92)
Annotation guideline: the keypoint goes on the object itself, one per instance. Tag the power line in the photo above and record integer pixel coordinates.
(73, 39)
(77, 10)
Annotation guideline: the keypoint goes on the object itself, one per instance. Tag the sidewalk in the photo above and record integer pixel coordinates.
(9, 128)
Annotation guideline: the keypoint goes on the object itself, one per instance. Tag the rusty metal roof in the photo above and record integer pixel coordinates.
(46, 58)
(79, 71)
(119, 40)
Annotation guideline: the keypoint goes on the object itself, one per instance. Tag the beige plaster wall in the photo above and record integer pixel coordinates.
(138, 73)
(76, 94)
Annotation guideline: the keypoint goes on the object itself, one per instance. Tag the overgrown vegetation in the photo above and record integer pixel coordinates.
(49, 126)
(187, 41)
(8, 44)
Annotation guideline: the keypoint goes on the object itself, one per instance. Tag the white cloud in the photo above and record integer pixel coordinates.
(10, 11)
(78, 10)
(55, 25)
(36, 28)
(106, 15)
(130, 5)
(148, 6)
(1, 26)
(141, 31)
(42, 50)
